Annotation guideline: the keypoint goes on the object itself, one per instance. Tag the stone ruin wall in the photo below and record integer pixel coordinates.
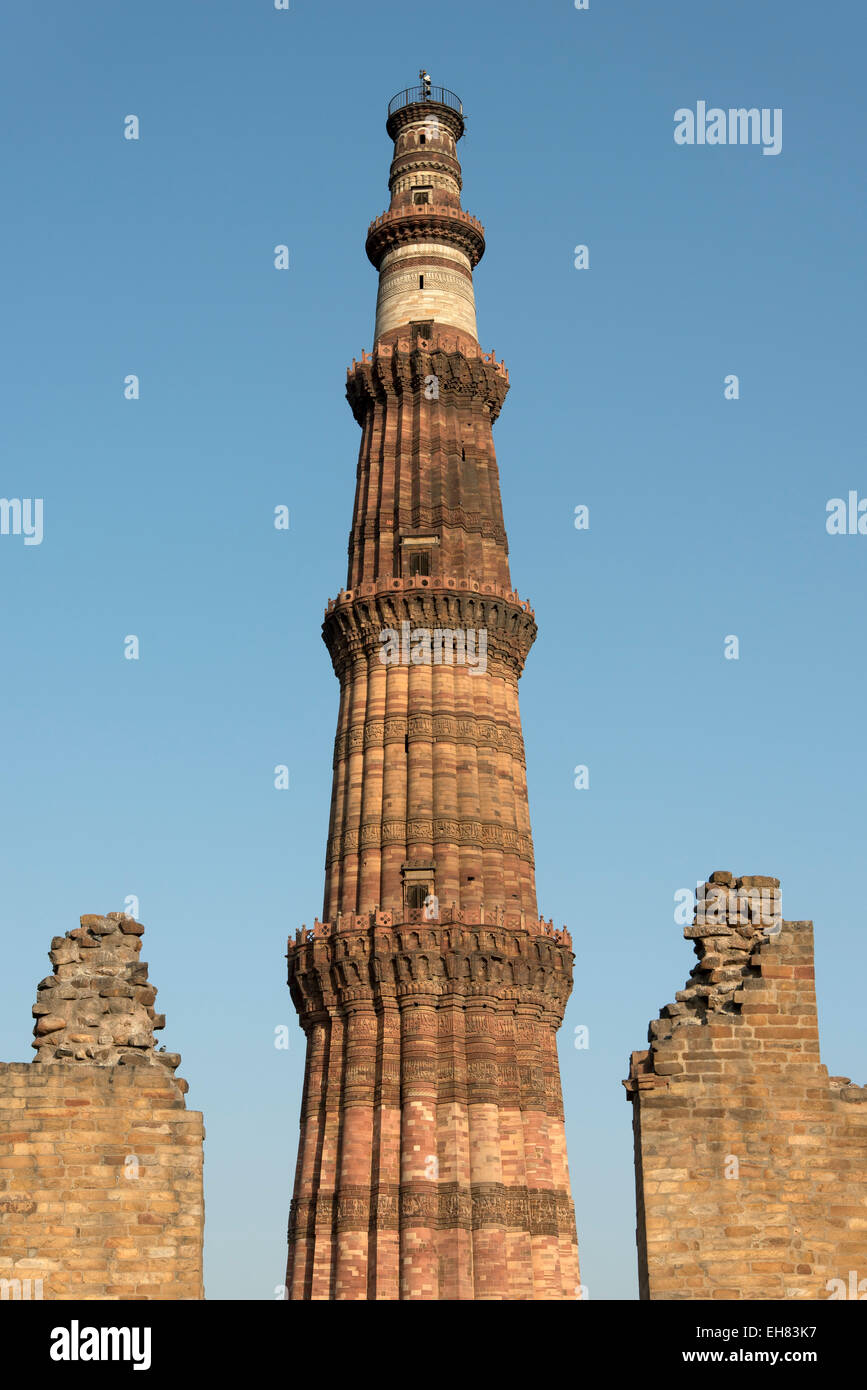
(100, 1161)
(749, 1159)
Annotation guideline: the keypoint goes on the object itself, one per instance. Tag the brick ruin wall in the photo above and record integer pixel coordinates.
(100, 1160)
(749, 1158)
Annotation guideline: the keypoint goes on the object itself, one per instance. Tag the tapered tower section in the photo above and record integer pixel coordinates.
(432, 1157)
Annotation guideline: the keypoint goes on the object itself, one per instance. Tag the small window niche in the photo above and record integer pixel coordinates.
(419, 888)
(419, 562)
(421, 197)
(417, 555)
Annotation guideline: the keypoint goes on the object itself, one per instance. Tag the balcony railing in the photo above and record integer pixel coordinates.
(438, 94)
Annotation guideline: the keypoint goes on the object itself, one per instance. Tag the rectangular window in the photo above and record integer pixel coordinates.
(416, 554)
(419, 887)
(421, 282)
(421, 197)
(419, 562)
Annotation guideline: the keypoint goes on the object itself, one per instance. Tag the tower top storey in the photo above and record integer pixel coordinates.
(425, 245)
(401, 108)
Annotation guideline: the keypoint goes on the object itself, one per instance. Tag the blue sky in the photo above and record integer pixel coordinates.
(707, 517)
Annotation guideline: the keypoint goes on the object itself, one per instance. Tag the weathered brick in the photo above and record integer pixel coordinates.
(794, 1215)
(68, 1211)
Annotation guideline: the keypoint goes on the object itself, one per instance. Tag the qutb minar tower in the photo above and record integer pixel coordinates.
(432, 1157)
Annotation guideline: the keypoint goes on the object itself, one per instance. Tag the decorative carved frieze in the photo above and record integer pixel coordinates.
(446, 964)
(484, 834)
(409, 227)
(459, 376)
(353, 629)
(475, 732)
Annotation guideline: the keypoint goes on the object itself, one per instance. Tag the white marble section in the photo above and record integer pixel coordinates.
(447, 296)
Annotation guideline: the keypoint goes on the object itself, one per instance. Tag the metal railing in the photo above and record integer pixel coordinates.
(438, 94)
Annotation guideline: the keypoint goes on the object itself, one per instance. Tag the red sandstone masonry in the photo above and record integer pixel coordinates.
(442, 1099)
(750, 1160)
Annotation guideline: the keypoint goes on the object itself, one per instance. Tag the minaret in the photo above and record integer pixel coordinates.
(432, 1157)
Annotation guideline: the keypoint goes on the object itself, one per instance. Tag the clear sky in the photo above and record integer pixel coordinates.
(154, 777)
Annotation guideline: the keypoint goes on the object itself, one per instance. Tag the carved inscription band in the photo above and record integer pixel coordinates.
(444, 1207)
(457, 728)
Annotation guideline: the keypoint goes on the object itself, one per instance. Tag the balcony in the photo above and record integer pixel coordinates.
(441, 95)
